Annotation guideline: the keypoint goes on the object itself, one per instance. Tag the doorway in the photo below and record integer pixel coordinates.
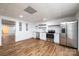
(8, 33)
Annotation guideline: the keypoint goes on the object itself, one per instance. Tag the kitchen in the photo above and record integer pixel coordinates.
(59, 33)
(44, 29)
(37, 27)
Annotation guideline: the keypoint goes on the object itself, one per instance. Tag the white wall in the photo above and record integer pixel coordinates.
(20, 35)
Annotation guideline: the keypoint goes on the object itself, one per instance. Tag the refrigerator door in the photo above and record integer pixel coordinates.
(63, 34)
(72, 34)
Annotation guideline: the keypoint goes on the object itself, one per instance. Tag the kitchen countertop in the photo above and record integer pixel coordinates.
(48, 33)
(42, 32)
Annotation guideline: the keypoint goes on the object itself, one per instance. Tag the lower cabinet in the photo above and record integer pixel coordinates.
(43, 36)
(56, 38)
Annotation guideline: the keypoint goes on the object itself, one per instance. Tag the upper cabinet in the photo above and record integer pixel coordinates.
(41, 27)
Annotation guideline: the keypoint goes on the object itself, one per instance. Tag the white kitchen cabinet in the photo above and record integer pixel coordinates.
(42, 35)
(34, 34)
(56, 38)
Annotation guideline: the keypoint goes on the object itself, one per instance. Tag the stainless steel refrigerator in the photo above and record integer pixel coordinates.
(69, 34)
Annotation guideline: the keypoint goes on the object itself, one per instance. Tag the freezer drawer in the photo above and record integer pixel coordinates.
(63, 41)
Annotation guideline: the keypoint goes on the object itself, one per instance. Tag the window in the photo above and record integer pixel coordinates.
(20, 26)
(26, 27)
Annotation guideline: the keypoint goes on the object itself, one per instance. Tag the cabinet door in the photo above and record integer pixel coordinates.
(43, 36)
(56, 37)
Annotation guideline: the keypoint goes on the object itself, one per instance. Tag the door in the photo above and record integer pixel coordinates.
(5, 35)
(8, 33)
(72, 35)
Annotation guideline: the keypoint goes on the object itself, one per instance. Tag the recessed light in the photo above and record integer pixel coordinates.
(21, 16)
(44, 19)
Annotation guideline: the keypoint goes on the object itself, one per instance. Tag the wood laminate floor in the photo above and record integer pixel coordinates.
(33, 47)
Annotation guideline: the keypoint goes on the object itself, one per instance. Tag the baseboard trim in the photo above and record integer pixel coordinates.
(24, 39)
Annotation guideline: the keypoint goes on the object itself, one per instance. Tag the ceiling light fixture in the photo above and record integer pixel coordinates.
(44, 19)
(21, 16)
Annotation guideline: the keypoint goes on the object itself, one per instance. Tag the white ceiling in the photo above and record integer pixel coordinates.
(44, 10)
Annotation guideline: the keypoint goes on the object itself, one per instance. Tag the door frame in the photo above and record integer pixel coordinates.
(8, 24)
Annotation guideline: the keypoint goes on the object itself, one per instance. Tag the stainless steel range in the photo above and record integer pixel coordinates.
(50, 35)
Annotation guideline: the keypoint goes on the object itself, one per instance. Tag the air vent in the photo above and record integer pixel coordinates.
(30, 10)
